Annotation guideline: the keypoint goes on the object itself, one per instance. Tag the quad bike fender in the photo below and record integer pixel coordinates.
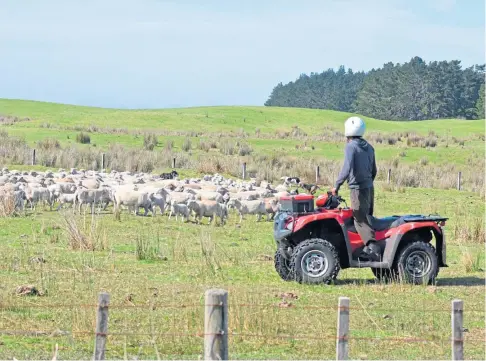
(440, 245)
(304, 221)
(395, 236)
(347, 263)
(407, 227)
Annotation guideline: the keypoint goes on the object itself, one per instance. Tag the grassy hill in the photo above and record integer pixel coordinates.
(267, 119)
(286, 135)
(185, 259)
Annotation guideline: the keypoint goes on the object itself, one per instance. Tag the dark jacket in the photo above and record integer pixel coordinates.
(359, 167)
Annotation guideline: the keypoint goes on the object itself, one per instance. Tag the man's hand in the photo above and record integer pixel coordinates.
(334, 191)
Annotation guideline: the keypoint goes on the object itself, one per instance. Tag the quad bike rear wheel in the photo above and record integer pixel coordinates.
(282, 266)
(417, 263)
(315, 261)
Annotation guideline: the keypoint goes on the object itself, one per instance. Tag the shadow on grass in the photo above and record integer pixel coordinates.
(461, 281)
(356, 281)
(441, 282)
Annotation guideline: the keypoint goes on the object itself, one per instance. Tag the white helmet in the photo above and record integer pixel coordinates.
(354, 127)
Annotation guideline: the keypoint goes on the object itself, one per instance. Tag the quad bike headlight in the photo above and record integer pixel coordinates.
(290, 226)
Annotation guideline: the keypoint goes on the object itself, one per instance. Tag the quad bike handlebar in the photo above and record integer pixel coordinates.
(333, 201)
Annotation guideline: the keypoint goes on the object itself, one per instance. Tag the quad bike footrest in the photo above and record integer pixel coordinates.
(359, 264)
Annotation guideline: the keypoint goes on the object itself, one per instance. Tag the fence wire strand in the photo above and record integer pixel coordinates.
(286, 306)
(44, 333)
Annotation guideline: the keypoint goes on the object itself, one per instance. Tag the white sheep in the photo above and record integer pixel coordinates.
(179, 209)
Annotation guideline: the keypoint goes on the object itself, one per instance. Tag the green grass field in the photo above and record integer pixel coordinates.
(237, 119)
(186, 259)
(220, 118)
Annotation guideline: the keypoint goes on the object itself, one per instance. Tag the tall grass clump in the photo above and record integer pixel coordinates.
(392, 140)
(424, 161)
(147, 247)
(13, 150)
(7, 204)
(469, 229)
(204, 145)
(471, 263)
(86, 234)
(297, 132)
(244, 149)
(150, 141)
(186, 145)
(11, 119)
(209, 254)
(83, 138)
(48, 144)
(227, 147)
(415, 140)
(169, 145)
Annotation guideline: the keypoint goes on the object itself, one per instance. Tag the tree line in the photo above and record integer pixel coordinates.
(411, 91)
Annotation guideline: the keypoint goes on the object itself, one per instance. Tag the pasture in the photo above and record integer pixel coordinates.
(157, 269)
(272, 141)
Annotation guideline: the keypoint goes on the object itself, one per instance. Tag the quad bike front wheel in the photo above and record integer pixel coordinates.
(282, 266)
(315, 261)
(417, 263)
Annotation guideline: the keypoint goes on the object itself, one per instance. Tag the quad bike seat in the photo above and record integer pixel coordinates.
(378, 224)
(381, 224)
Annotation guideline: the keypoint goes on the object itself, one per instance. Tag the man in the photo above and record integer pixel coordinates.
(359, 170)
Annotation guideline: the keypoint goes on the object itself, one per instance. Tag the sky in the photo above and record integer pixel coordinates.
(180, 53)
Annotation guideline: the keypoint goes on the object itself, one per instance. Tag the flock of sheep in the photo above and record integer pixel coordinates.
(210, 196)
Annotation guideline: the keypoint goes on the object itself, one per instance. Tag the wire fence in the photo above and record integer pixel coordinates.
(244, 173)
(230, 305)
(216, 332)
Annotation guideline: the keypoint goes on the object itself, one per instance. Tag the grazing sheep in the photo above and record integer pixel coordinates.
(210, 209)
(66, 198)
(92, 197)
(209, 196)
(271, 206)
(37, 194)
(133, 199)
(157, 200)
(249, 207)
(179, 209)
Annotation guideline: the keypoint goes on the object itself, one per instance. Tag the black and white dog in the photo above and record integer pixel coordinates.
(293, 180)
(311, 188)
(170, 175)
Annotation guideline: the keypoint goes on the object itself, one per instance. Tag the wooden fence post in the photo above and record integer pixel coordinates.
(33, 156)
(216, 325)
(342, 347)
(457, 341)
(173, 163)
(318, 175)
(459, 175)
(388, 176)
(101, 326)
(102, 161)
(244, 170)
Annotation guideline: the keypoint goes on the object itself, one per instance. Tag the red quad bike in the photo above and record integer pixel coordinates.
(314, 243)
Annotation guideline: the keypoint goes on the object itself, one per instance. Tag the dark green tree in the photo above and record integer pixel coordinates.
(480, 103)
(414, 90)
